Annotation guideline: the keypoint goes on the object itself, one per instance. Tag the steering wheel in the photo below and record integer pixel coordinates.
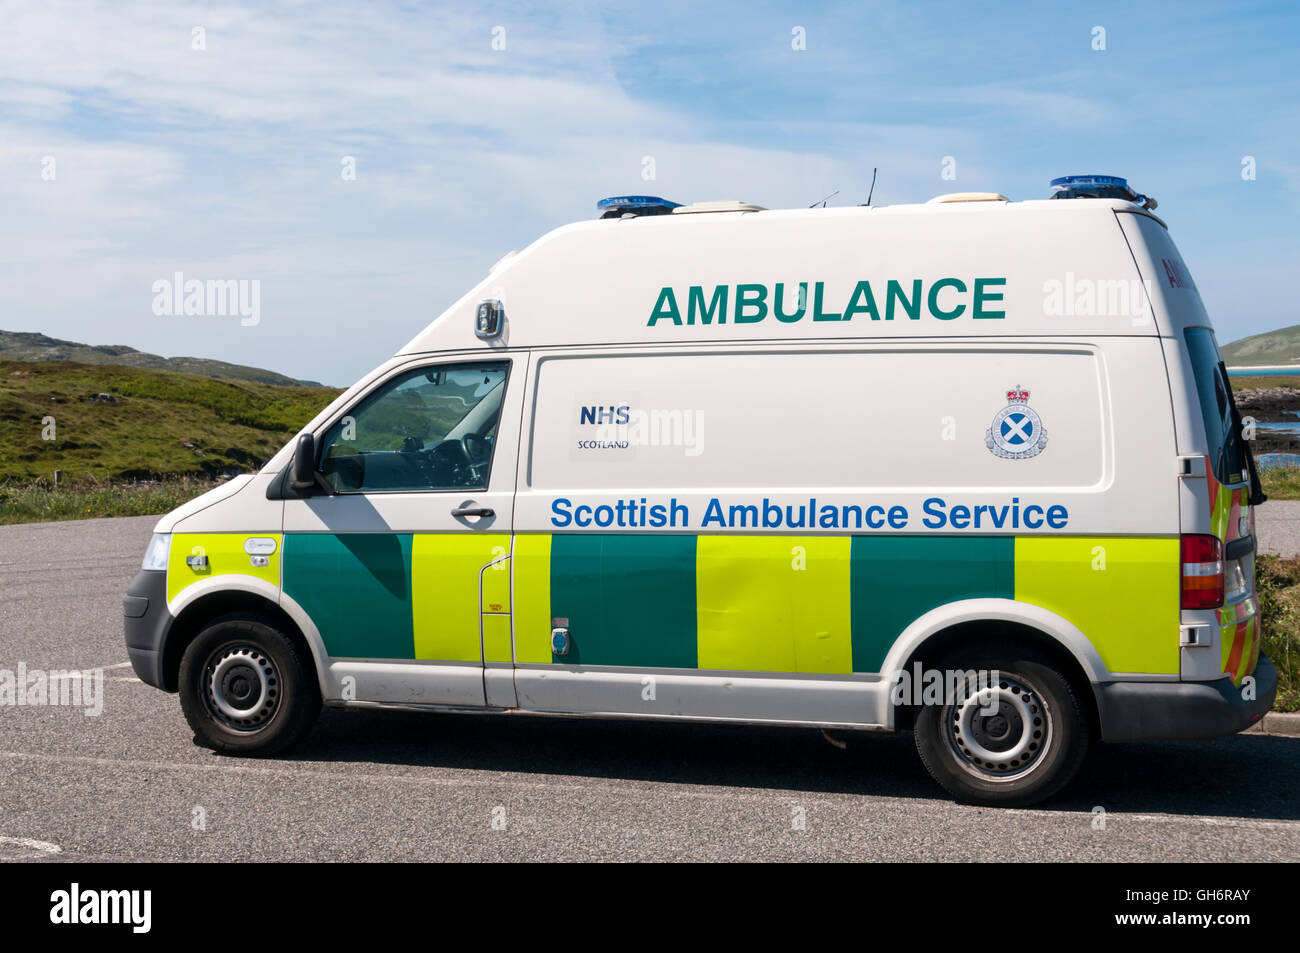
(448, 463)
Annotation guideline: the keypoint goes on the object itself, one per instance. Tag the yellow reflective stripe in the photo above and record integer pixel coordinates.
(496, 580)
(1227, 617)
(1222, 507)
(1230, 617)
(531, 563)
(773, 603)
(445, 592)
(226, 556)
(1121, 592)
(1227, 633)
(496, 638)
(1247, 650)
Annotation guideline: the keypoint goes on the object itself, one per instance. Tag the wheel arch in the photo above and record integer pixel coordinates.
(203, 608)
(970, 622)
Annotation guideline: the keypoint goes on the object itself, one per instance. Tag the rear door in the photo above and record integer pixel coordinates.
(1230, 515)
(1215, 490)
(390, 559)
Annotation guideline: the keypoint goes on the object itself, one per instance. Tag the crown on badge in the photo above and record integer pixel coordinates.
(1017, 396)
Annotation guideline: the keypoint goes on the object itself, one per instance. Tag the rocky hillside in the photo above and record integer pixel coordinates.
(1273, 347)
(33, 346)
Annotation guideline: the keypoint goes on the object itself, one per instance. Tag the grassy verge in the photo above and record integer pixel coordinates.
(1277, 581)
(1280, 483)
(1263, 382)
(41, 502)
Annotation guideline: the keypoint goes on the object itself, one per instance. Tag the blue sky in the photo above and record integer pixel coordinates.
(225, 162)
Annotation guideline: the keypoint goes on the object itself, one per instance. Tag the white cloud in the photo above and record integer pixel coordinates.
(225, 163)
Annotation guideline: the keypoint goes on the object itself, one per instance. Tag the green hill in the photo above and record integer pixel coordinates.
(122, 423)
(1273, 347)
(31, 346)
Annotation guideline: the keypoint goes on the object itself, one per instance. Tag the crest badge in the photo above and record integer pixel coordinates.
(1017, 432)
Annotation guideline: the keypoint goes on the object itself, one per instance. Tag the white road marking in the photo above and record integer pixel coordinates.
(1172, 819)
(76, 673)
(40, 846)
(62, 676)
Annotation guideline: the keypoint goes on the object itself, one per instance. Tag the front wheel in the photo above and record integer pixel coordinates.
(246, 688)
(1015, 739)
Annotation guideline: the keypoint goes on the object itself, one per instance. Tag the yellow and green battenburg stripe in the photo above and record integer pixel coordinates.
(792, 604)
(1239, 638)
(403, 595)
(828, 605)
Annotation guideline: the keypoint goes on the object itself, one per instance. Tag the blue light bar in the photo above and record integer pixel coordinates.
(619, 205)
(1098, 187)
(1089, 182)
(634, 201)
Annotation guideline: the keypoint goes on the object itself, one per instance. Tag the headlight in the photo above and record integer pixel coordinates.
(155, 557)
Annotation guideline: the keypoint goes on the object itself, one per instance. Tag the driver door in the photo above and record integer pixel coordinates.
(391, 556)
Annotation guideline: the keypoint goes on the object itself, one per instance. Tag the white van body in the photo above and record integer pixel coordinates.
(752, 465)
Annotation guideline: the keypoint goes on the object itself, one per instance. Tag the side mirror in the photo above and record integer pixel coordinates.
(303, 475)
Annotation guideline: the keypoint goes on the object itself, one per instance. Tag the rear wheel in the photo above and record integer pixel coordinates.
(246, 688)
(1014, 740)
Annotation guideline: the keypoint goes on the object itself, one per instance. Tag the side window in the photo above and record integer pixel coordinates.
(1227, 457)
(429, 429)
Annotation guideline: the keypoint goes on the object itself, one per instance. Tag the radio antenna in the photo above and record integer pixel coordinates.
(822, 202)
(873, 186)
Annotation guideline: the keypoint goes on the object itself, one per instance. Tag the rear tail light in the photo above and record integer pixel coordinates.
(1202, 558)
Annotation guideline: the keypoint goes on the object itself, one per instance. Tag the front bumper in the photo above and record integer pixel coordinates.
(1183, 711)
(146, 623)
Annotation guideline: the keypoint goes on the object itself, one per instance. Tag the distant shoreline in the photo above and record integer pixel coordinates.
(1237, 370)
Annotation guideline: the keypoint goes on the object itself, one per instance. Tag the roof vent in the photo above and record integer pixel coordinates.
(967, 197)
(730, 206)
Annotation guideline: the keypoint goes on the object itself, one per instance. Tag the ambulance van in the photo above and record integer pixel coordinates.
(721, 463)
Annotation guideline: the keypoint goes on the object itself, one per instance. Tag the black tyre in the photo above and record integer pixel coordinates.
(1019, 741)
(246, 688)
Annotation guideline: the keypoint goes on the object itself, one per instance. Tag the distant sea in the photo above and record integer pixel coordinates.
(1263, 371)
(1284, 460)
(1290, 428)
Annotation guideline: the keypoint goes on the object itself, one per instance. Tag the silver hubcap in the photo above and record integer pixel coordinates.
(243, 687)
(999, 733)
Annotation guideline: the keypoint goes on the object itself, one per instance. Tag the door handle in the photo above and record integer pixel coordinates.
(473, 511)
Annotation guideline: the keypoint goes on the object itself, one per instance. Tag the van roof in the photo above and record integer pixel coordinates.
(651, 279)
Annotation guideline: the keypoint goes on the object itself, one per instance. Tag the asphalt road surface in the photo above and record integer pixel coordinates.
(129, 784)
(1278, 527)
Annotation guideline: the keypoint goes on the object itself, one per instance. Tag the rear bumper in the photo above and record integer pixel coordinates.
(146, 621)
(1183, 711)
